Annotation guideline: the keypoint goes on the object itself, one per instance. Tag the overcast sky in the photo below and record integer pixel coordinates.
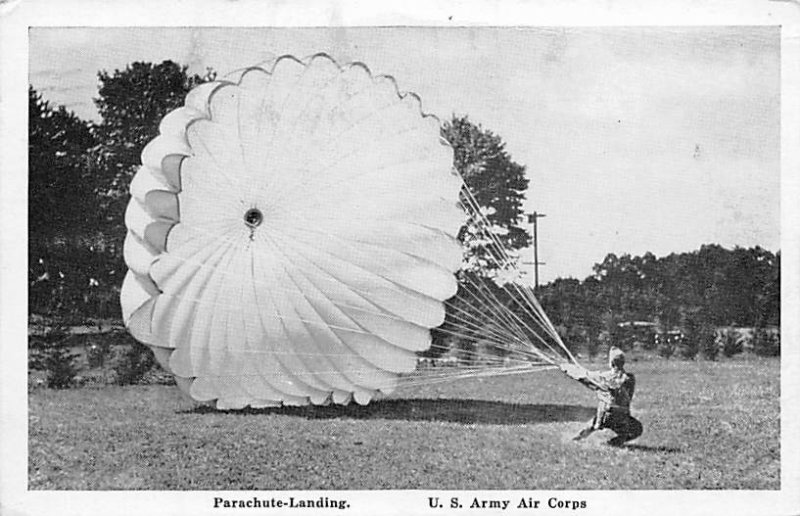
(634, 139)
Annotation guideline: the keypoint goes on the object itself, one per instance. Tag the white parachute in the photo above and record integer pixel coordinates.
(292, 238)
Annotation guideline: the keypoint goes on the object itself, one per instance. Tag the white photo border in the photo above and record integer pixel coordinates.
(17, 17)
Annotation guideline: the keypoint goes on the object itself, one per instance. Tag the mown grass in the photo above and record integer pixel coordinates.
(707, 426)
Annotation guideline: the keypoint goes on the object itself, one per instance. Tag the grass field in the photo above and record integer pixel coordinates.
(707, 426)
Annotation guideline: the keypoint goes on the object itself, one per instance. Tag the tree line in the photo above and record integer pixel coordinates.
(683, 294)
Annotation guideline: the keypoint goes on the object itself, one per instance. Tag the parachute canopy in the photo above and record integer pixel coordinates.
(292, 236)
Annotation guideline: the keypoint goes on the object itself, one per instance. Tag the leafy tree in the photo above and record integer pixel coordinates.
(60, 187)
(131, 103)
(61, 210)
(497, 184)
(79, 178)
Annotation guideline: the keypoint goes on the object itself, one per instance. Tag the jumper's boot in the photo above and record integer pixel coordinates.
(583, 434)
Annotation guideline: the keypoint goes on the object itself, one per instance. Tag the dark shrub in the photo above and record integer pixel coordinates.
(731, 343)
(766, 343)
(48, 353)
(709, 345)
(689, 344)
(132, 363)
(592, 347)
(665, 345)
(98, 350)
(689, 347)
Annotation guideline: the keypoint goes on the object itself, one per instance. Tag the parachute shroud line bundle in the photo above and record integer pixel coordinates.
(292, 239)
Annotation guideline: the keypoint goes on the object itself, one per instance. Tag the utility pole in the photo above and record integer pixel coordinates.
(532, 219)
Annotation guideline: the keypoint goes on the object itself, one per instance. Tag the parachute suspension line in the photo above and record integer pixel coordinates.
(510, 316)
(508, 332)
(519, 335)
(485, 295)
(554, 332)
(471, 206)
(420, 378)
(499, 340)
(500, 345)
(511, 328)
(490, 299)
(534, 305)
(536, 312)
(473, 325)
(507, 264)
(475, 373)
(483, 357)
(443, 374)
(481, 221)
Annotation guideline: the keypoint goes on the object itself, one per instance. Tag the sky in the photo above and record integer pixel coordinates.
(634, 139)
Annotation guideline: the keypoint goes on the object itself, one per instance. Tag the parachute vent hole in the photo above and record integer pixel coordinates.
(253, 218)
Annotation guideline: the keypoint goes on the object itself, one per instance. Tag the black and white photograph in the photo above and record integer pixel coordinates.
(312, 259)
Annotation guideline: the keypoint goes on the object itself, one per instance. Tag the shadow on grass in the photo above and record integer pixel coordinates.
(651, 449)
(443, 410)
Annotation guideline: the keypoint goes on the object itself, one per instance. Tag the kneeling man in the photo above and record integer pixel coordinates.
(614, 390)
